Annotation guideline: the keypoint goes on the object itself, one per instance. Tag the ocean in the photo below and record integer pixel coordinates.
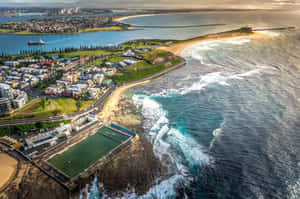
(229, 120)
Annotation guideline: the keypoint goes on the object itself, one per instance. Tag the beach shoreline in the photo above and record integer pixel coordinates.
(178, 48)
(114, 99)
(119, 19)
(8, 167)
(175, 48)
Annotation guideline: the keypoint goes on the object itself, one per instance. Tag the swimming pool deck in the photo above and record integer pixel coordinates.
(84, 158)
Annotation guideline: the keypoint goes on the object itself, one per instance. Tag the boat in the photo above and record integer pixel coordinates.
(31, 43)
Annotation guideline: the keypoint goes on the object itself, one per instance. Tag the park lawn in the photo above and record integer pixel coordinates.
(112, 28)
(21, 128)
(151, 56)
(10, 31)
(140, 64)
(2, 30)
(81, 53)
(29, 33)
(112, 60)
(142, 43)
(53, 107)
(68, 105)
(136, 45)
(115, 59)
(132, 75)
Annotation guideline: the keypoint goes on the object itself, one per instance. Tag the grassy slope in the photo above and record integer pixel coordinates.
(21, 128)
(99, 29)
(140, 64)
(86, 30)
(61, 106)
(112, 59)
(81, 53)
(142, 73)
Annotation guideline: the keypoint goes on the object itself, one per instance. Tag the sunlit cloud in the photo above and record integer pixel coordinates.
(249, 4)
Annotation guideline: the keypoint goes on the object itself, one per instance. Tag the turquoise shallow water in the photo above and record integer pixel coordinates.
(229, 120)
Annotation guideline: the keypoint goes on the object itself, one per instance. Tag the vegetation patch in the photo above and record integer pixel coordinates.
(142, 73)
(21, 128)
(99, 29)
(43, 108)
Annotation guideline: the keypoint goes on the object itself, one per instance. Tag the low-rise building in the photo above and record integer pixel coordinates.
(11, 63)
(6, 91)
(64, 130)
(21, 100)
(94, 93)
(41, 139)
(5, 106)
(98, 78)
(107, 83)
(130, 61)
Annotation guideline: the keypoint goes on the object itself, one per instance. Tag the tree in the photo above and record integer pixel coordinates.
(39, 125)
(56, 112)
(43, 103)
(78, 104)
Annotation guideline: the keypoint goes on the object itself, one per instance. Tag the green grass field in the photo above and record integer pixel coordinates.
(151, 56)
(86, 30)
(53, 107)
(21, 128)
(99, 29)
(112, 59)
(142, 43)
(140, 64)
(127, 76)
(81, 53)
(82, 155)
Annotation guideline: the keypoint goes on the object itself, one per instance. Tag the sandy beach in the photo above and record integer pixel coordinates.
(114, 99)
(119, 19)
(8, 166)
(177, 48)
(112, 104)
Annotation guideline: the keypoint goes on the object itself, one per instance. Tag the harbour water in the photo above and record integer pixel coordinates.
(13, 44)
(230, 119)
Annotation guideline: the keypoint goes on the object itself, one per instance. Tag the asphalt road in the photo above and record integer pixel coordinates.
(92, 108)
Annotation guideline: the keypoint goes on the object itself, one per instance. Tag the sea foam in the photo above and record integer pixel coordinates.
(181, 148)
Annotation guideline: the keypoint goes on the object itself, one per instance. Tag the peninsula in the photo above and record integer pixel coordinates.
(64, 25)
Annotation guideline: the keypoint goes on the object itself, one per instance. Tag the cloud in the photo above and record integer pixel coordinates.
(36, 2)
(188, 3)
(159, 3)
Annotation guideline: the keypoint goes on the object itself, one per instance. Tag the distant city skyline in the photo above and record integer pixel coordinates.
(236, 4)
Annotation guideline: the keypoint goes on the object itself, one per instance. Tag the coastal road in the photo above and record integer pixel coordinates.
(97, 104)
(97, 107)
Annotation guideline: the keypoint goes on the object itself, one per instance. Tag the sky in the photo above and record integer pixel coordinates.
(247, 4)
